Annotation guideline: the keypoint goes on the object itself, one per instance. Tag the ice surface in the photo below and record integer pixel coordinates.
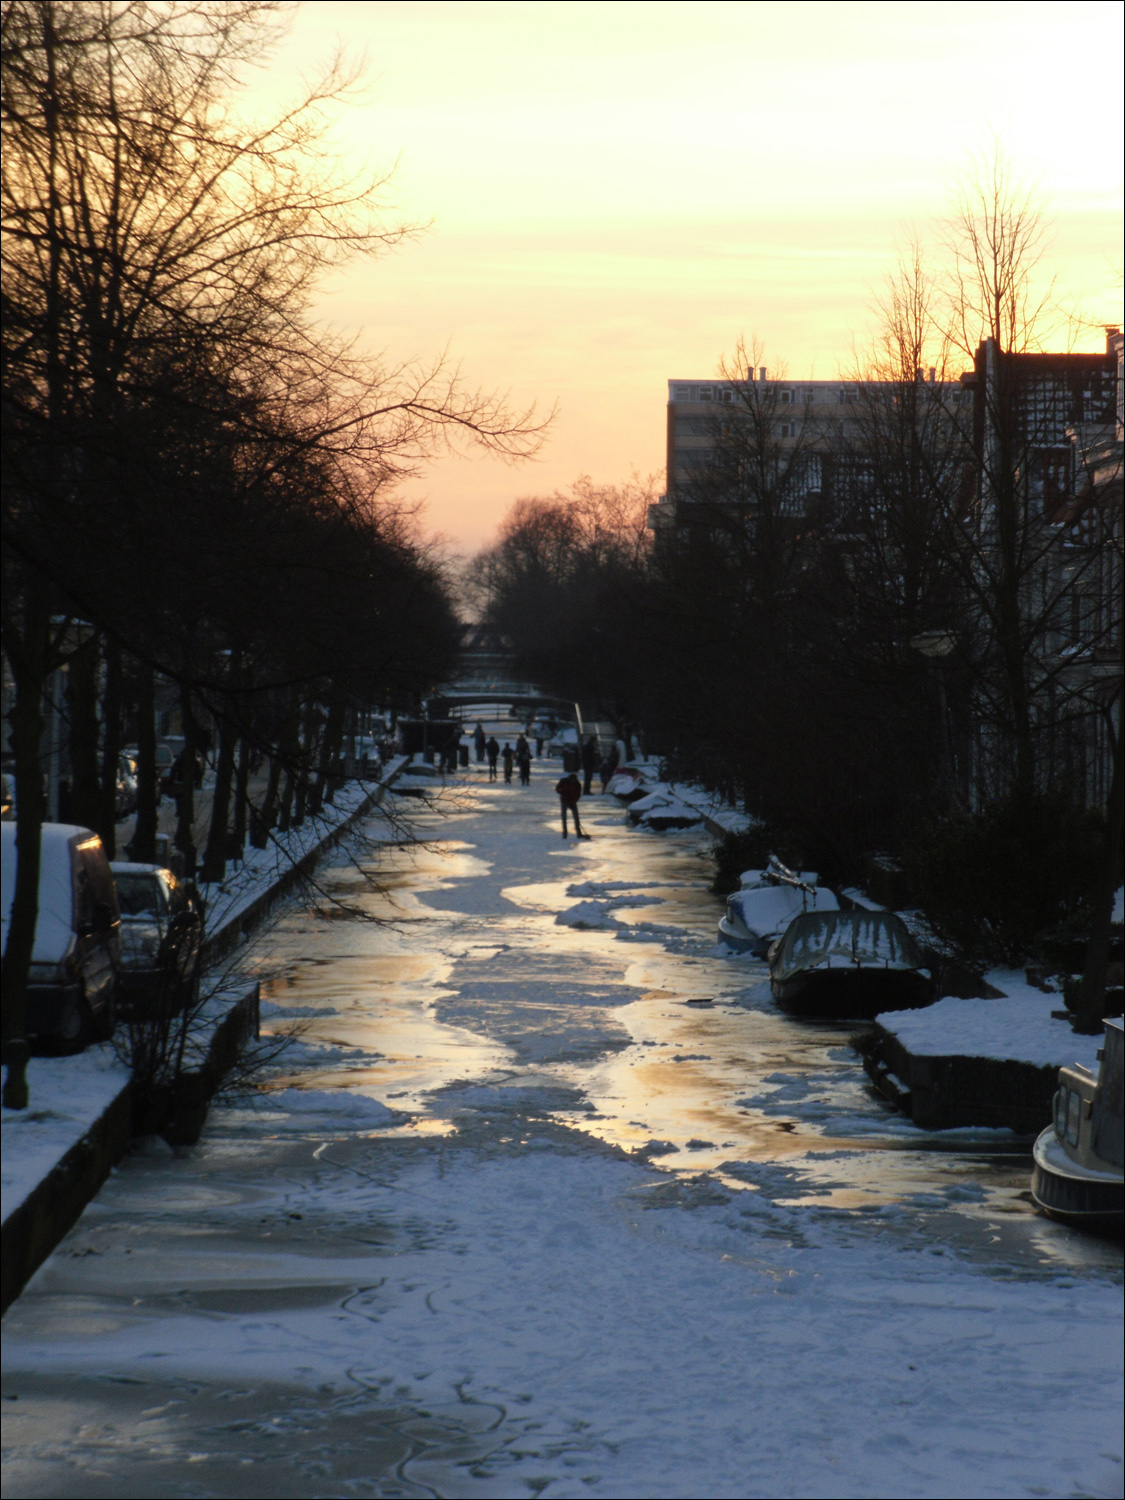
(803, 1298)
(310, 1109)
(634, 1335)
(599, 914)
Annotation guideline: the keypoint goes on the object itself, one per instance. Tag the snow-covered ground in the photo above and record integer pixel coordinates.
(251, 878)
(560, 1209)
(68, 1094)
(1019, 1026)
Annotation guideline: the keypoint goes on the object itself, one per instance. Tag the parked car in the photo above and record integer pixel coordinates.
(164, 758)
(161, 934)
(72, 984)
(125, 800)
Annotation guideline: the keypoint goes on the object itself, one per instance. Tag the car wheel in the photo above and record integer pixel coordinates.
(76, 1028)
(106, 1024)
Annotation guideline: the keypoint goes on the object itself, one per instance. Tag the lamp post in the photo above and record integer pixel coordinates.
(937, 645)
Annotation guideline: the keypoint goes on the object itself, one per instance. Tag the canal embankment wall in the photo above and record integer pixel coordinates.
(976, 1062)
(59, 1153)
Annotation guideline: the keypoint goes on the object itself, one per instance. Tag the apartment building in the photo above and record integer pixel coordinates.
(1047, 434)
(1040, 433)
(824, 418)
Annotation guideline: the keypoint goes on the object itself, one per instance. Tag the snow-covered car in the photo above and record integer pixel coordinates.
(765, 905)
(72, 982)
(161, 934)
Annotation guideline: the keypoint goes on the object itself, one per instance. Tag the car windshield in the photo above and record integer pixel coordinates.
(138, 895)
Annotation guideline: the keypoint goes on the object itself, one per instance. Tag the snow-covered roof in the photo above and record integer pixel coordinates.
(55, 927)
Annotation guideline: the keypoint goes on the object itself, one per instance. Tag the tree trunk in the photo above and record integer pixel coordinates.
(305, 751)
(237, 844)
(82, 699)
(285, 817)
(330, 744)
(214, 866)
(111, 748)
(29, 662)
(262, 819)
(185, 823)
(143, 847)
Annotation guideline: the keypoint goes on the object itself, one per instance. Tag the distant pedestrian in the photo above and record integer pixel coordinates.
(589, 763)
(569, 791)
(523, 760)
(605, 773)
(493, 751)
(538, 742)
(478, 741)
(508, 756)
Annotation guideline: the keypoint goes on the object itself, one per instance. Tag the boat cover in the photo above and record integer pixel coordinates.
(771, 908)
(838, 939)
(668, 811)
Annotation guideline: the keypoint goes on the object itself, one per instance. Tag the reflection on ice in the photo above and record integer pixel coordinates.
(509, 1175)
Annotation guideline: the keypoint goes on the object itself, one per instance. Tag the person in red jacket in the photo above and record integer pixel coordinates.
(569, 790)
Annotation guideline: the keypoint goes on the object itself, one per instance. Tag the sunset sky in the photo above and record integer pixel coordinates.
(616, 191)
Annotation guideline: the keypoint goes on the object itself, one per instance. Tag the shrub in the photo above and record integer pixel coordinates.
(998, 882)
(751, 850)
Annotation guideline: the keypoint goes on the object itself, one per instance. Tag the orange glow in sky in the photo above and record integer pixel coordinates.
(616, 190)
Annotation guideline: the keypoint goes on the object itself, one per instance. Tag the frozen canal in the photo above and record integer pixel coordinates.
(629, 1231)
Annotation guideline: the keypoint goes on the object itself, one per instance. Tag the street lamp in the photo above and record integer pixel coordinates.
(937, 645)
(934, 642)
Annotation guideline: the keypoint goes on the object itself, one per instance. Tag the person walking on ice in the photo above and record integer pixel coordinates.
(569, 790)
(523, 760)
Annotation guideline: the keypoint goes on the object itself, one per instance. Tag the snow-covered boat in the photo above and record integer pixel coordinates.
(1078, 1174)
(628, 783)
(765, 905)
(847, 964)
(662, 809)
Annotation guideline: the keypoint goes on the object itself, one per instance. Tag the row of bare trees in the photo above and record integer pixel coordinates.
(197, 474)
(865, 621)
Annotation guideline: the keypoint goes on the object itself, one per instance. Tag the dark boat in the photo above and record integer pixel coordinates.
(848, 964)
(1079, 1161)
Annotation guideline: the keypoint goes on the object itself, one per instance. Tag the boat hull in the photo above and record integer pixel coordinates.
(744, 941)
(851, 993)
(1064, 1190)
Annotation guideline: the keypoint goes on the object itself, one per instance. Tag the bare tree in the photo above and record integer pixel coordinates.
(1027, 547)
(562, 584)
(152, 228)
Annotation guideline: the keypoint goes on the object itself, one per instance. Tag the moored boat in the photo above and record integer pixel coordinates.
(662, 809)
(767, 902)
(1078, 1174)
(848, 965)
